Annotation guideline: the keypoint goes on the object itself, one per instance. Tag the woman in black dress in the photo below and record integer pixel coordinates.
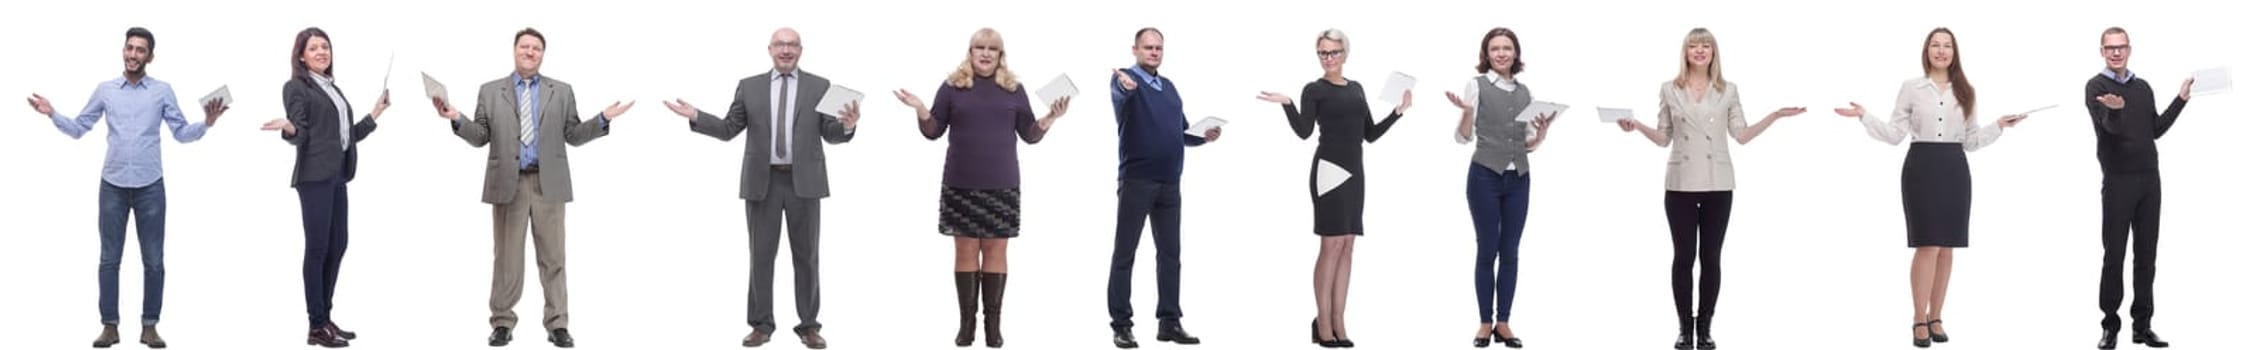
(1335, 105)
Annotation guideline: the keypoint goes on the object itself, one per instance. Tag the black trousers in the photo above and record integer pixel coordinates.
(2129, 205)
(1163, 204)
(321, 207)
(1697, 230)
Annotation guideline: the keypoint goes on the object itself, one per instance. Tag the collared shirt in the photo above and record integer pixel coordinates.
(1698, 132)
(136, 111)
(344, 116)
(2112, 74)
(1928, 113)
(529, 154)
(787, 95)
(1473, 98)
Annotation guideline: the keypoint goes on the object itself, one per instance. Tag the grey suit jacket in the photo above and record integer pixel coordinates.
(560, 120)
(750, 113)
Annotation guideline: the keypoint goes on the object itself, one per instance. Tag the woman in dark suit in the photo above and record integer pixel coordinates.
(318, 125)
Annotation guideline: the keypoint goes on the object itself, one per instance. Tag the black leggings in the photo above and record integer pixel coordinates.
(1696, 217)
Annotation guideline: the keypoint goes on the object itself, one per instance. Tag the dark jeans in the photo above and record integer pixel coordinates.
(147, 205)
(321, 205)
(1163, 203)
(1697, 232)
(2129, 205)
(1500, 207)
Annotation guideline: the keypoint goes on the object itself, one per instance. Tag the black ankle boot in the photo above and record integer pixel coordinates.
(992, 304)
(1685, 334)
(1701, 332)
(968, 305)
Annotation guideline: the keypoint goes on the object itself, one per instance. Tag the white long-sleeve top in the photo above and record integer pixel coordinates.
(1927, 112)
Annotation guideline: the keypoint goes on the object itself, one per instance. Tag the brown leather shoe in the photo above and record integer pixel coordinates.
(149, 337)
(325, 337)
(756, 339)
(813, 340)
(109, 337)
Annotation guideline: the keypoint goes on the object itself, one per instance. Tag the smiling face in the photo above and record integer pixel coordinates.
(1331, 55)
(986, 53)
(1700, 53)
(137, 55)
(1942, 51)
(316, 55)
(2116, 48)
(784, 49)
(529, 53)
(1502, 53)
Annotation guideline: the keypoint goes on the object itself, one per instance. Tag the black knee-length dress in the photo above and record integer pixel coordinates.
(1343, 121)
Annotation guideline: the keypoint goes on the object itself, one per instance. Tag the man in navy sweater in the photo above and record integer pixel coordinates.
(2125, 129)
(1152, 127)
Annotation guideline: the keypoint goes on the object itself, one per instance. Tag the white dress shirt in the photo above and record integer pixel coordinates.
(344, 119)
(1928, 113)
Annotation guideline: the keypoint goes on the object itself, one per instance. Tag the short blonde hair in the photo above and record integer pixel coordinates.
(1335, 35)
(1716, 65)
(962, 77)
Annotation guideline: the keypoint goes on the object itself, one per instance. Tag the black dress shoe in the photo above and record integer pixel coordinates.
(1512, 342)
(1685, 342)
(1175, 334)
(501, 337)
(1921, 342)
(561, 338)
(1482, 342)
(341, 332)
(1122, 338)
(2108, 340)
(324, 337)
(1934, 335)
(2149, 338)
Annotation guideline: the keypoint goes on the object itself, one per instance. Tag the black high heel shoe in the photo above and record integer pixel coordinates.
(1514, 342)
(1320, 341)
(1921, 342)
(1936, 336)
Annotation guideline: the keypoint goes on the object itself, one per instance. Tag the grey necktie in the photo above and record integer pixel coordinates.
(783, 113)
(525, 112)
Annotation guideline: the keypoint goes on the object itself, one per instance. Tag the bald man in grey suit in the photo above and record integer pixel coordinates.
(528, 179)
(784, 177)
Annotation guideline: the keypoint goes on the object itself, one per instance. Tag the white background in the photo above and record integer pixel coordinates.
(1816, 253)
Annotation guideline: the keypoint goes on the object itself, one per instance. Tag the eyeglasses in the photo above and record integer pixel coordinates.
(1332, 54)
(2117, 48)
(784, 44)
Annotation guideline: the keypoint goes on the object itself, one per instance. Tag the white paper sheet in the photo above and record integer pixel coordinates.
(2039, 109)
(1058, 88)
(2212, 81)
(432, 88)
(1540, 108)
(1611, 115)
(1398, 83)
(835, 100)
(1200, 129)
(220, 95)
(1330, 176)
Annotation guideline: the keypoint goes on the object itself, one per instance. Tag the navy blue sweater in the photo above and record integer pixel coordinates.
(1152, 125)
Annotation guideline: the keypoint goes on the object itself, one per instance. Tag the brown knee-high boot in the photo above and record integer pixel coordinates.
(992, 304)
(968, 305)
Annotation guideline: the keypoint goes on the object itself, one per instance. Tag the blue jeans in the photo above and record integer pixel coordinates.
(1500, 207)
(147, 204)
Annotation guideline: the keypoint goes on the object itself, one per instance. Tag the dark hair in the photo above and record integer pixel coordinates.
(143, 33)
(521, 34)
(2114, 30)
(298, 69)
(1483, 55)
(1961, 92)
(1141, 33)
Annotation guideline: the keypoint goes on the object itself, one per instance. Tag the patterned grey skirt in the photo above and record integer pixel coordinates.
(972, 213)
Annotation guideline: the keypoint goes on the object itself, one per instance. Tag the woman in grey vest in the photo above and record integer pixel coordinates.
(1699, 111)
(1497, 183)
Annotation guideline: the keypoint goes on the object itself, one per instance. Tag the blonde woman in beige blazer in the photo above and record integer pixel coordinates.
(1699, 112)
(1938, 112)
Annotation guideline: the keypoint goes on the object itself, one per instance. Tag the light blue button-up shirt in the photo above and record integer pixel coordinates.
(136, 111)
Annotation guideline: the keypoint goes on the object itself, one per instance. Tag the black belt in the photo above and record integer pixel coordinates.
(780, 167)
(530, 169)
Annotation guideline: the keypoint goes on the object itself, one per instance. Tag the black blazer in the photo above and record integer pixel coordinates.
(320, 157)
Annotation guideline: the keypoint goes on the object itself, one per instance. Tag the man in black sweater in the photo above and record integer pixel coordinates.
(2125, 129)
